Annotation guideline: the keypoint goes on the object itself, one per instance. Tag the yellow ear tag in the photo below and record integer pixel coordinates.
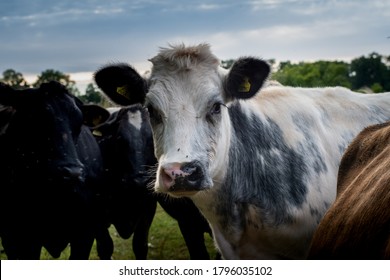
(97, 132)
(122, 91)
(245, 86)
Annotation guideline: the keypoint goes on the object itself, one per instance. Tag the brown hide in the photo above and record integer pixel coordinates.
(357, 225)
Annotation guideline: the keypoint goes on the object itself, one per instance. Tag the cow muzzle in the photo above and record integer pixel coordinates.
(183, 179)
(69, 173)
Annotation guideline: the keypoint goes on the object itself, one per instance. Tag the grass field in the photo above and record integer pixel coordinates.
(165, 239)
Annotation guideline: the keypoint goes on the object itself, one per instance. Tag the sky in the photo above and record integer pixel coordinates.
(77, 37)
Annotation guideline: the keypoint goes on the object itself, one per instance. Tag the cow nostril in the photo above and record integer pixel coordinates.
(193, 171)
(195, 174)
(189, 169)
(71, 172)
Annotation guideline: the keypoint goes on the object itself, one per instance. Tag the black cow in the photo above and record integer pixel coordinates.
(51, 170)
(127, 146)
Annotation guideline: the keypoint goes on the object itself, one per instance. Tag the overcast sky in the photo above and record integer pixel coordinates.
(79, 36)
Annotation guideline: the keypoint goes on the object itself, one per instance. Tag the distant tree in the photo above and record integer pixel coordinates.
(54, 75)
(92, 95)
(316, 74)
(376, 87)
(372, 71)
(284, 64)
(14, 79)
(271, 62)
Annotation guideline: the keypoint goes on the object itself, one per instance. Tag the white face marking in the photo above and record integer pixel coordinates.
(135, 119)
(188, 128)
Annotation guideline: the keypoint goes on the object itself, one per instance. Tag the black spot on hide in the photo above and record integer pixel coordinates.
(263, 171)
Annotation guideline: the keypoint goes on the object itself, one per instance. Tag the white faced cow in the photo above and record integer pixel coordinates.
(260, 165)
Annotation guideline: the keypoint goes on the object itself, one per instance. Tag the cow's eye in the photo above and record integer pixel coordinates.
(154, 115)
(214, 113)
(216, 109)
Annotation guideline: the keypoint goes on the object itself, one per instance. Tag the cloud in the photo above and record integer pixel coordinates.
(79, 36)
(208, 7)
(270, 4)
(321, 39)
(59, 17)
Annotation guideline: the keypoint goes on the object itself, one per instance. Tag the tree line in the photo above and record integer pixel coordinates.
(17, 81)
(369, 73)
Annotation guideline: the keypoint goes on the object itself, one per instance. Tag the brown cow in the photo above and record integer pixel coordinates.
(357, 226)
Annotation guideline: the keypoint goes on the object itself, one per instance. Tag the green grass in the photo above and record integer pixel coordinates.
(165, 239)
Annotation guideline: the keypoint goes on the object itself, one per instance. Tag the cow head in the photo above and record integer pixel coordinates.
(42, 132)
(187, 96)
(127, 145)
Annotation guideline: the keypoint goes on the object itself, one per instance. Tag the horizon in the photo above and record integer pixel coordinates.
(82, 79)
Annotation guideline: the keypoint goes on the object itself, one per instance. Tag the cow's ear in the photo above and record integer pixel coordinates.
(94, 115)
(245, 78)
(121, 83)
